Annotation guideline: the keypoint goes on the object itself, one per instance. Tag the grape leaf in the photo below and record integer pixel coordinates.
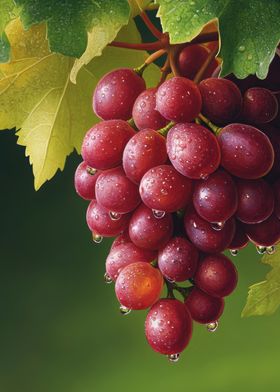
(69, 22)
(7, 13)
(37, 96)
(137, 6)
(264, 297)
(249, 30)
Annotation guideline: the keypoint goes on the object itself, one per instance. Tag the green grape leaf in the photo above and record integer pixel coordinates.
(137, 6)
(36, 95)
(264, 297)
(70, 22)
(249, 30)
(7, 13)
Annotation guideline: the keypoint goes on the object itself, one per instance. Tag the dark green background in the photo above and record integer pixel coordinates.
(60, 326)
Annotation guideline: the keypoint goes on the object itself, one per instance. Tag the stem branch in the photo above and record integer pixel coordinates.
(138, 46)
(156, 33)
(212, 126)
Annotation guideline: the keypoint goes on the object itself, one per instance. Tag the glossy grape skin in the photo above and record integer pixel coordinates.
(178, 259)
(144, 111)
(148, 232)
(138, 286)
(168, 326)
(221, 100)
(193, 150)
(203, 307)
(191, 59)
(276, 189)
(115, 94)
(124, 254)
(84, 181)
(240, 239)
(104, 143)
(215, 198)
(204, 237)
(162, 188)
(99, 221)
(255, 200)
(260, 106)
(178, 99)
(216, 275)
(246, 151)
(266, 233)
(123, 238)
(115, 192)
(143, 151)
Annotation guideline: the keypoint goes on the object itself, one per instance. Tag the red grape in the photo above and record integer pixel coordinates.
(100, 222)
(266, 233)
(144, 111)
(221, 100)
(124, 254)
(123, 238)
(168, 327)
(138, 286)
(240, 239)
(274, 136)
(215, 198)
(246, 151)
(115, 192)
(115, 94)
(202, 234)
(104, 143)
(260, 106)
(178, 259)
(143, 151)
(204, 308)
(276, 189)
(85, 179)
(255, 200)
(216, 275)
(148, 232)
(178, 99)
(162, 188)
(193, 150)
(191, 59)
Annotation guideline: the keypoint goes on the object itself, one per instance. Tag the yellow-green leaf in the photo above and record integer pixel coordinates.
(264, 297)
(37, 96)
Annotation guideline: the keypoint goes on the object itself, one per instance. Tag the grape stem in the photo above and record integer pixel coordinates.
(164, 131)
(170, 287)
(156, 33)
(212, 126)
(153, 57)
(172, 54)
(165, 71)
(201, 72)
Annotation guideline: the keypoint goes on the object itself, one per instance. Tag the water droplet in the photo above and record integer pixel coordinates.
(124, 310)
(114, 215)
(212, 327)
(270, 250)
(97, 238)
(241, 48)
(261, 249)
(233, 252)
(173, 357)
(217, 225)
(158, 214)
(91, 170)
(107, 278)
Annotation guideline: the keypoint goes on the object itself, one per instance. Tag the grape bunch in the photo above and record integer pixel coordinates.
(179, 173)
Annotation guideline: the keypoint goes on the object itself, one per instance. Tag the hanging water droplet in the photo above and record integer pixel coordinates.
(233, 252)
(261, 249)
(114, 215)
(212, 327)
(217, 225)
(107, 278)
(97, 238)
(124, 310)
(91, 170)
(270, 250)
(173, 357)
(158, 214)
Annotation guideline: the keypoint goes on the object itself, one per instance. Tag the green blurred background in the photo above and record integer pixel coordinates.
(61, 330)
